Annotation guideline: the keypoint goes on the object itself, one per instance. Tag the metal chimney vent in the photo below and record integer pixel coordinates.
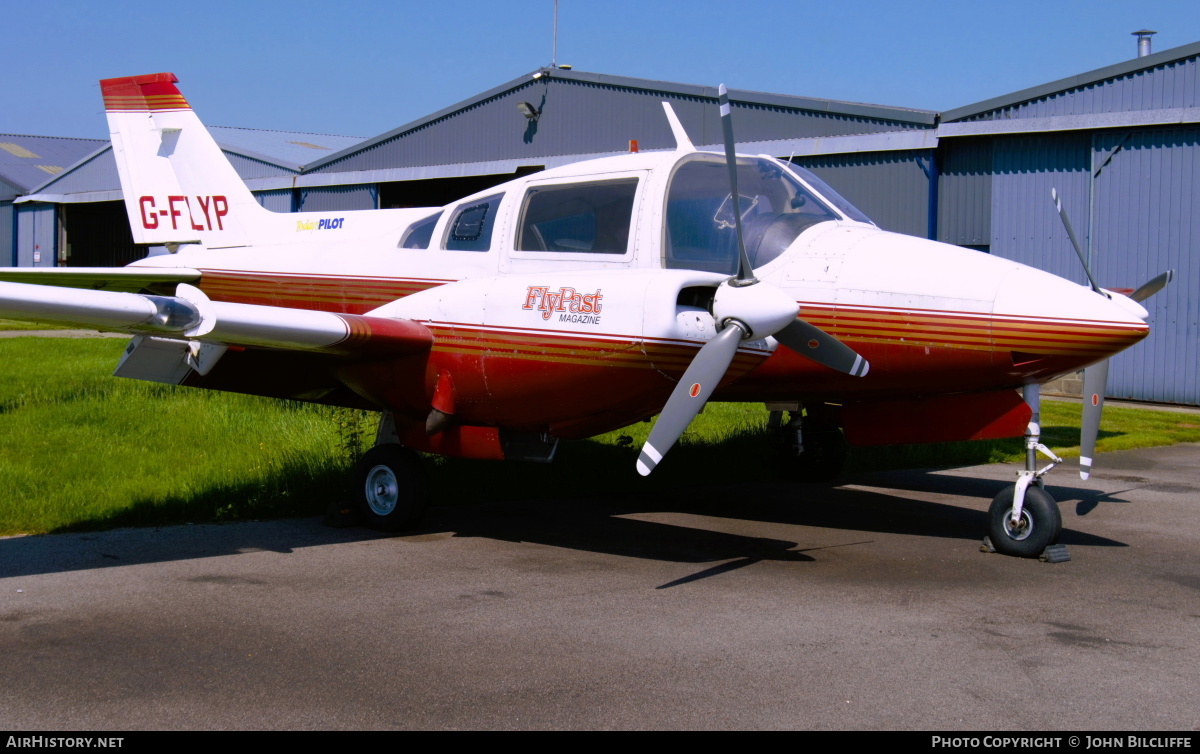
(1143, 40)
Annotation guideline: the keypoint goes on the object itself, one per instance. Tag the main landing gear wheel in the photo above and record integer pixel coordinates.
(392, 490)
(1039, 527)
(815, 453)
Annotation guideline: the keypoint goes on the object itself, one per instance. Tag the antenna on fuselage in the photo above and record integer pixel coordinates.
(682, 142)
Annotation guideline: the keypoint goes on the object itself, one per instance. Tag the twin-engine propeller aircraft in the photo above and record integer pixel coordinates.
(575, 301)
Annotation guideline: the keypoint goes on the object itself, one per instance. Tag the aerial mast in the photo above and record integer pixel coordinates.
(554, 50)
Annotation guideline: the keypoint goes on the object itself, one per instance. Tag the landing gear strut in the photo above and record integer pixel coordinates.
(1023, 519)
(811, 450)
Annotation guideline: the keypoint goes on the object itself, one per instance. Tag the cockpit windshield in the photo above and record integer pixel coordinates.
(826, 191)
(701, 232)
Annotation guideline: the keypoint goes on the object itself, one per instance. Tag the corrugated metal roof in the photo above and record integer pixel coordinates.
(29, 161)
(289, 149)
(254, 153)
(1021, 122)
(1164, 61)
(840, 107)
(590, 112)
(94, 172)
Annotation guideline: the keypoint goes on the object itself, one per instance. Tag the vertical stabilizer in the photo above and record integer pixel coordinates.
(178, 185)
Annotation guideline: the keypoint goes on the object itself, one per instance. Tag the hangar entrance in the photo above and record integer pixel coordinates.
(97, 235)
(436, 192)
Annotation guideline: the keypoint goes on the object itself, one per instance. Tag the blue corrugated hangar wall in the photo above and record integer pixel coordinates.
(1122, 147)
(1119, 144)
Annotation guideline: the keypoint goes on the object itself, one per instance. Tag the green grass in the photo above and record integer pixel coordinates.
(14, 324)
(1121, 429)
(80, 449)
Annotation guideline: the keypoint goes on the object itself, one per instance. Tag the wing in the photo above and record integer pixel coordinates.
(182, 337)
(124, 279)
(190, 315)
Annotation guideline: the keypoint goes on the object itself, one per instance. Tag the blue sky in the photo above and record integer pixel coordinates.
(360, 67)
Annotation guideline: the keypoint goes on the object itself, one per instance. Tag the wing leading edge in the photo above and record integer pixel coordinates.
(122, 279)
(190, 316)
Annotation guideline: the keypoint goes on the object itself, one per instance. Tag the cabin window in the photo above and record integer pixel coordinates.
(471, 228)
(701, 228)
(419, 233)
(591, 218)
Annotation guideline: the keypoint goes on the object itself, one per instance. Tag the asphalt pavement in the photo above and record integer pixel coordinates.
(863, 605)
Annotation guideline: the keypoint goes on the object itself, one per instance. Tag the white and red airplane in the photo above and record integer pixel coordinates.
(575, 301)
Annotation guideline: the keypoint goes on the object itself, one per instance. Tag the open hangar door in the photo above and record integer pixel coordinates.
(97, 235)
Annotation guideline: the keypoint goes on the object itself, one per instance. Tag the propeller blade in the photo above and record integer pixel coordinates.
(690, 395)
(763, 312)
(814, 343)
(1153, 287)
(1062, 213)
(1095, 379)
(745, 274)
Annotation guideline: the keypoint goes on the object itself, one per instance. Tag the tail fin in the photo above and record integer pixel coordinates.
(178, 185)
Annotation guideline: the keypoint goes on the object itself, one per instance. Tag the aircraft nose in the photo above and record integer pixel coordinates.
(1129, 305)
(1039, 313)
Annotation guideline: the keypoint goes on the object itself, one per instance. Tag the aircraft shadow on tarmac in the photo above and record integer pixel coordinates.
(610, 525)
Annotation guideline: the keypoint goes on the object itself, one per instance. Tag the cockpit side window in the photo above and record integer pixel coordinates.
(471, 228)
(419, 233)
(591, 218)
(701, 232)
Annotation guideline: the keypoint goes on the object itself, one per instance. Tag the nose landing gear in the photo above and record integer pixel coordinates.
(1023, 519)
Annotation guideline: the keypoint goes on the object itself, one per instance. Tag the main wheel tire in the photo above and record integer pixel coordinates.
(392, 489)
(824, 456)
(1040, 525)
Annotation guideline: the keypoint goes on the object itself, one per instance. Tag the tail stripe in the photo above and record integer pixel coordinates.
(154, 92)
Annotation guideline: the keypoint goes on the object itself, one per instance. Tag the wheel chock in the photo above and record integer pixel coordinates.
(1052, 554)
(1055, 554)
(341, 514)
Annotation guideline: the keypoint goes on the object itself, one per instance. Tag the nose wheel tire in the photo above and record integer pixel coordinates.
(392, 488)
(1038, 528)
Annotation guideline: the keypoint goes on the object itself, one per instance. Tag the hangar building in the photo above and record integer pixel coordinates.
(1120, 144)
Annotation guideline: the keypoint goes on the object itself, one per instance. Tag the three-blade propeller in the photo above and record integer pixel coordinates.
(1095, 377)
(745, 308)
